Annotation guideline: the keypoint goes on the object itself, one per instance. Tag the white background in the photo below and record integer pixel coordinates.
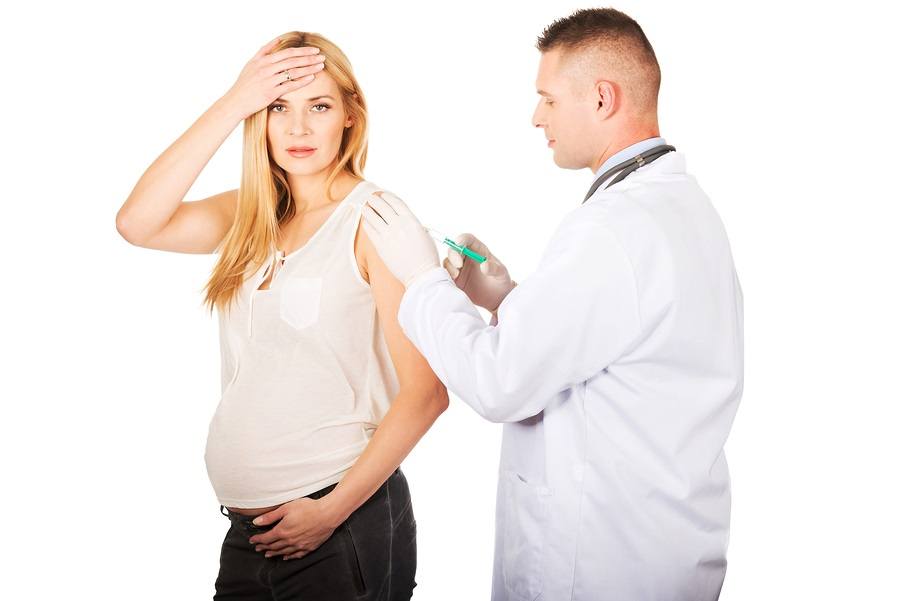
(786, 114)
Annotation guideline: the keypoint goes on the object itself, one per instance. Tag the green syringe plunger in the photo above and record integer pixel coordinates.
(460, 249)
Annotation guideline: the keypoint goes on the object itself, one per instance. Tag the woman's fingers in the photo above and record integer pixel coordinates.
(292, 63)
(290, 53)
(281, 546)
(265, 77)
(283, 86)
(268, 537)
(296, 73)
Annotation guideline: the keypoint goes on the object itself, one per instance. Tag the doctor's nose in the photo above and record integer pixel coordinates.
(535, 117)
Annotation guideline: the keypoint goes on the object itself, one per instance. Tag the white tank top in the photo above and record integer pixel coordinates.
(306, 374)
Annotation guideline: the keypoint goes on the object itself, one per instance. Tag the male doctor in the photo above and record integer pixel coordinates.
(618, 366)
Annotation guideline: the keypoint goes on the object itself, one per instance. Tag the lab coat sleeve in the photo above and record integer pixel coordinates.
(566, 323)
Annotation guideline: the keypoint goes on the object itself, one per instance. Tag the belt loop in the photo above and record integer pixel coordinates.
(222, 510)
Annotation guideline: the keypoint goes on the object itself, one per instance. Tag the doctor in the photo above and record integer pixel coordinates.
(617, 367)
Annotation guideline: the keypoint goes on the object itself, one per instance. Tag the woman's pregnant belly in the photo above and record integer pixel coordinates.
(265, 447)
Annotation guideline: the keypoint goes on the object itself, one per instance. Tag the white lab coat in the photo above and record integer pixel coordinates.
(617, 368)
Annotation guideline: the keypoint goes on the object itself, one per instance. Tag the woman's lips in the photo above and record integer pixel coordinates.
(301, 153)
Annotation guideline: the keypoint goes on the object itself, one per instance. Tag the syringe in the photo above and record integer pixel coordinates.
(460, 249)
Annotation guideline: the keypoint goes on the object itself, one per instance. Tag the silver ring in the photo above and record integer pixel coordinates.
(287, 74)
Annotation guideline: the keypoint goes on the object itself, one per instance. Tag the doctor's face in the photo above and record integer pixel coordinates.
(305, 127)
(564, 113)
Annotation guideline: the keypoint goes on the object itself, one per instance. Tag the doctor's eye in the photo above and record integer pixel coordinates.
(548, 101)
(274, 106)
(324, 106)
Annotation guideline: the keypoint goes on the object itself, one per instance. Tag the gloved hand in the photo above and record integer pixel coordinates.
(400, 239)
(486, 284)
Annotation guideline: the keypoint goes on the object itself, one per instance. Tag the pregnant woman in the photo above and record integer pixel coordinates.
(322, 394)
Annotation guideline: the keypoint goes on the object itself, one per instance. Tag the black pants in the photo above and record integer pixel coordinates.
(370, 557)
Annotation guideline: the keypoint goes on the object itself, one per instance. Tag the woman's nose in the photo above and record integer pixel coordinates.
(299, 126)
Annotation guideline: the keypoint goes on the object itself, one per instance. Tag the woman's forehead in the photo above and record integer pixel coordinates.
(322, 85)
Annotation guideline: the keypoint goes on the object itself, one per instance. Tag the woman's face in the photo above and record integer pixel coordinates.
(305, 127)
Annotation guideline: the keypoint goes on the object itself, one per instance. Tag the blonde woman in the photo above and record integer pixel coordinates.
(322, 394)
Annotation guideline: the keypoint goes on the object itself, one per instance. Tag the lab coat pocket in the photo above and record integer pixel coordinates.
(524, 522)
(300, 299)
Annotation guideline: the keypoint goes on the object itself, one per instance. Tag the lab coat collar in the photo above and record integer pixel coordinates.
(626, 153)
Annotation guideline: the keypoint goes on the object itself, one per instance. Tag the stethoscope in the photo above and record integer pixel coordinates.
(625, 168)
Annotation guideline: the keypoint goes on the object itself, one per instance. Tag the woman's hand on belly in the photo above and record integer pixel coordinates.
(305, 524)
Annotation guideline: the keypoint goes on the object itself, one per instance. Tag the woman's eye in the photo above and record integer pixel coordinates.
(274, 106)
(324, 107)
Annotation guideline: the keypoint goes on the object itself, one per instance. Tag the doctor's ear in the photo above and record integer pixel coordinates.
(605, 95)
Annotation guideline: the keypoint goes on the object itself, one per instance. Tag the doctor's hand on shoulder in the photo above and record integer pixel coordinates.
(400, 239)
(408, 251)
(486, 284)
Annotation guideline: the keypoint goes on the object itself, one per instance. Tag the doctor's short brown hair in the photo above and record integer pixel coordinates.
(615, 35)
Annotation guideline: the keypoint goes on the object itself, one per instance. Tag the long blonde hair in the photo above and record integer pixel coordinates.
(264, 198)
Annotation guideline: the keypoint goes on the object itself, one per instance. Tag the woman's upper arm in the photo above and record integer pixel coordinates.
(197, 226)
(412, 369)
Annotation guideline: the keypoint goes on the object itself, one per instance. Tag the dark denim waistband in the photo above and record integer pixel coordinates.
(248, 519)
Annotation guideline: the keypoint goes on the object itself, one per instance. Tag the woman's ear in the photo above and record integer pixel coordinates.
(349, 122)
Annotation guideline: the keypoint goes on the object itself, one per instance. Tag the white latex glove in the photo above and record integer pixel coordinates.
(402, 242)
(486, 284)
